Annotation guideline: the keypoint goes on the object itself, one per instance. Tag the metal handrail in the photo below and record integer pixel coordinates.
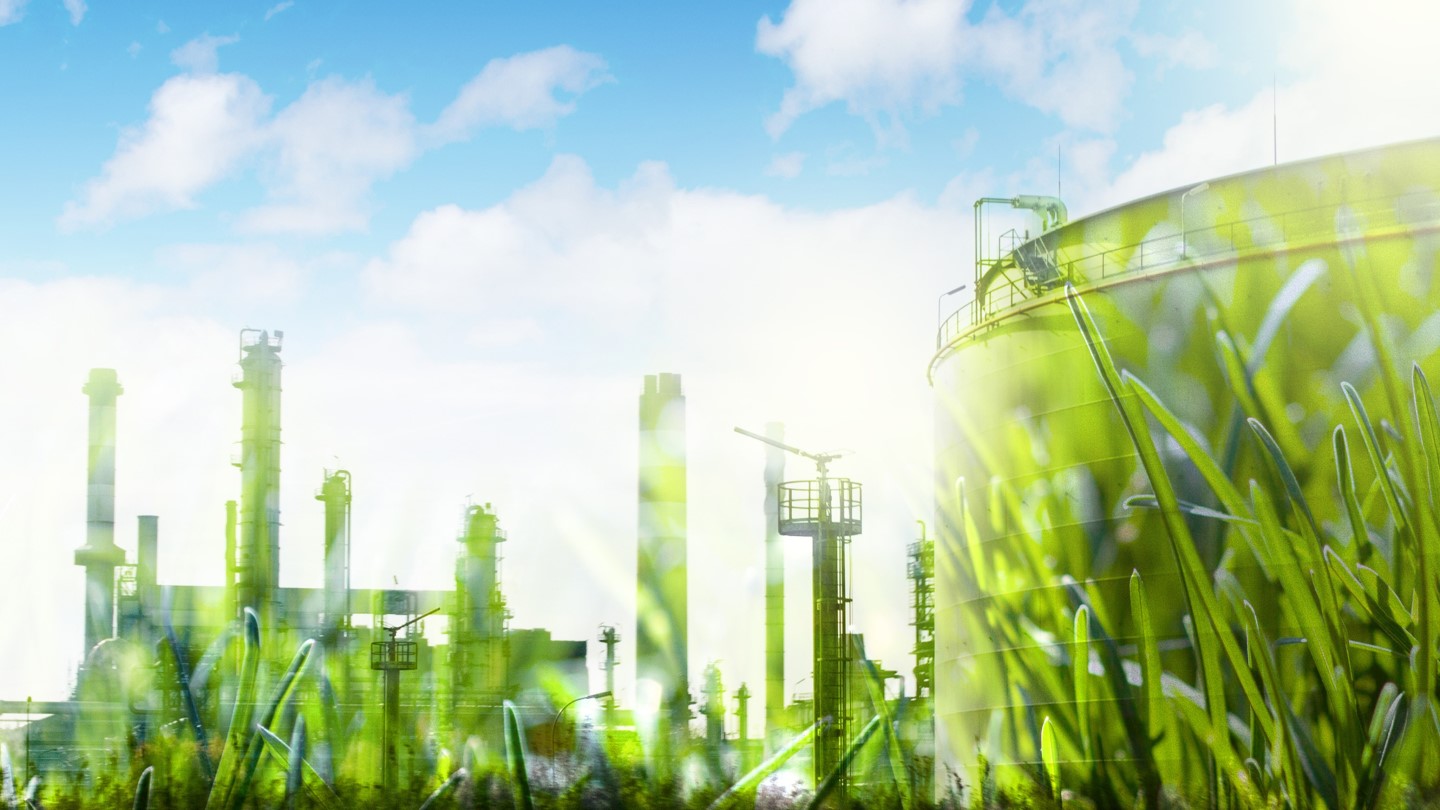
(1165, 251)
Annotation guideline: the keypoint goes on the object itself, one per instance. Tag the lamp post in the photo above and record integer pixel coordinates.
(1183, 232)
(554, 727)
(939, 317)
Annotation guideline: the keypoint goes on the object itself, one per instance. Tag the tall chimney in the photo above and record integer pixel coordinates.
(335, 494)
(661, 657)
(100, 555)
(258, 543)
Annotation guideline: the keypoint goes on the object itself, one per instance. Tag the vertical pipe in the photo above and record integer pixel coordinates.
(100, 555)
(775, 724)
(390, 765)
(259, 519)
(231, 562)
(742, 719)
(661, 660)
(146, 590)
(146, 555)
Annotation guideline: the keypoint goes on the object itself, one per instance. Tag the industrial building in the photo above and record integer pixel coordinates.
(1265, 277)
(157, 656)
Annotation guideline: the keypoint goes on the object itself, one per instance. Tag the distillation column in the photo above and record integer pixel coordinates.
(661, 657)
(477, 636)
(258, 543)
(775, 724)
(100, 555)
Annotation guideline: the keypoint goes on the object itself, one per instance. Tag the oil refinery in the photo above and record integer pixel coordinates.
(409, 679)
(1185, 462)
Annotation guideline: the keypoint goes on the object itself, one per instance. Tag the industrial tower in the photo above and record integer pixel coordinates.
(257, 563)
(100, 555)
(922, 587)
(661, 656)
(477, 627)
(828, 511)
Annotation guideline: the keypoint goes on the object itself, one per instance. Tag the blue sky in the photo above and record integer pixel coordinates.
(479, 225)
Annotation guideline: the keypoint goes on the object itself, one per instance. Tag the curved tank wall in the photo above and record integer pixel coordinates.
(1034, 465)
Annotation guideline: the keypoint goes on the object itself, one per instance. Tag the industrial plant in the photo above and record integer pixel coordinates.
(397, 700)
(1184, 553)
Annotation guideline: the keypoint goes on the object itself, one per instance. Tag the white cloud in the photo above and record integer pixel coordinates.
(1189, 48)
(201, 54)
(878, 57)
(787, 165)
(161, 27)
(521, 92)
(329, 147)
(134, 49)
(1358, 80)
(200, 128)
(11, 11)
(277, 8)
(77, 9)
(320, 155)
(885, 58)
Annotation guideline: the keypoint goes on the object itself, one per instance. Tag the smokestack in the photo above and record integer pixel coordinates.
(258, 543)
(661, 613)
(335, 494)
(774, 592)
(100, 555)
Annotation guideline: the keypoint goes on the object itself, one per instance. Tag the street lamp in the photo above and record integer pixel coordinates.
(939, 318)
(554, 727)
(1195, 190)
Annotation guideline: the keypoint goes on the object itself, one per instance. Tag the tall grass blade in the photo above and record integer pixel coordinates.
(757, 774)
(238, 735)
(460, 775)
(515, 758)
(832, 779)
(32, 793)
(142, 789)
(1050, 758)
(1386, 727)
(876, 689)
(1080, 675)
(255, 744)
(1131, 718)
(316, 786)
(1153, 704)
(295, 766)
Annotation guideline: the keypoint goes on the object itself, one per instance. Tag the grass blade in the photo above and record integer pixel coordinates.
(316, 786)
(515, 758)
(832, 779)
(142, 789)
(460, 775)
(237, 737)
(1050, 756)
